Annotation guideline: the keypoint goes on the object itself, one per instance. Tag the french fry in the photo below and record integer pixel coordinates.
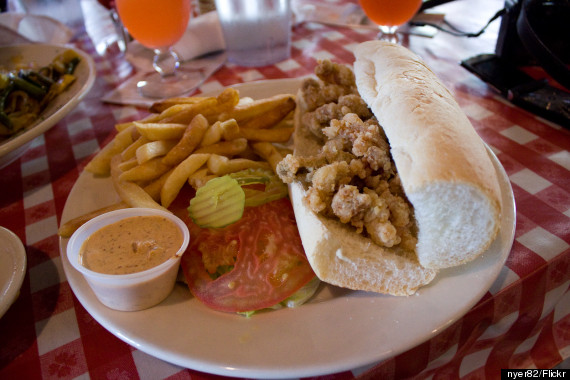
(287, 122)
(188, 142)
(230, 129)
(256, 108)
(268, 135)
(68, 228)
(200, 177)
(225, 148)
(249, 154)
(131, 150)
(269, 153)
(162, 105)
(209, 106)
(100, 164)
(131, 193)
(153, 189)
(170, 112)
(244, 100)
(213, 134)
(128, 125)
(185, 113)
(161, 117)
(127, 165)
(227, 100)
(154, 149)
(122, 126)
(271, 117)
(179, 176)
(146, 171)
(227, 130)
(161, 131)
(201, 173)
(148, 119)
(221, 165)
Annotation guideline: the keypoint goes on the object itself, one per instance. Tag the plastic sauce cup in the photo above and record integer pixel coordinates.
(134, 291)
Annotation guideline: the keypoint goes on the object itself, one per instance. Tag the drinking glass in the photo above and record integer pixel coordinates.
(390, 14)
(256, 32)
(158, 25)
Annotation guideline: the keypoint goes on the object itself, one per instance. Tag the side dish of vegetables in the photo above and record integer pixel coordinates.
(27, 90)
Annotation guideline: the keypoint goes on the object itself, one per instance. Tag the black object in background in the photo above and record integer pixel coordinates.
(427, 4)
(536, 32)
(532, 32)
(536, 96)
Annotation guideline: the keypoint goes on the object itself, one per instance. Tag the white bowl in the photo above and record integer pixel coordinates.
(42, 54)
(12, 268)
(134, 291)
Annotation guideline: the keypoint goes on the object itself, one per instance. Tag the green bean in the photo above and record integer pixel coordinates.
(36, 77)
(72, 65)
(4, 95)
(33, 82)
(30, 88)
(5, 120)
(46, 71)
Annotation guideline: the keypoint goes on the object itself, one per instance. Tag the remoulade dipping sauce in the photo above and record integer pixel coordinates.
(131, 245)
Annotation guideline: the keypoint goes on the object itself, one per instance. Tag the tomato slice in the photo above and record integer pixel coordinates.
(270, 264)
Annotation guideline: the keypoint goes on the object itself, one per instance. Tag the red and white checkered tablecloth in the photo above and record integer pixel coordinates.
(523, 321)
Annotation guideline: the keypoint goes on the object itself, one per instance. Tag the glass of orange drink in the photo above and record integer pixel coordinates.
(158, 25)
(390, 14)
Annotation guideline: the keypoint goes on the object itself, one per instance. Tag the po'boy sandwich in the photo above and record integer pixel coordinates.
(389, 181)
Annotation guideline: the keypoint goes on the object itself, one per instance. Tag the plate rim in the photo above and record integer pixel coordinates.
(18, 254)
(314, 369)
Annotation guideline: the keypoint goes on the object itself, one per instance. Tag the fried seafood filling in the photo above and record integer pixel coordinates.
(353, 177)
(330, 97)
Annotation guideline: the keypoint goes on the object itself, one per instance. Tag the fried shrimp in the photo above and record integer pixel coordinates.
(353, 177)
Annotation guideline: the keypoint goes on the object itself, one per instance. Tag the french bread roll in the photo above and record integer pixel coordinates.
(444, 170)
(443, 164)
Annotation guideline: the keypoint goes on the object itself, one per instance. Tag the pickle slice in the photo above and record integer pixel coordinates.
(274, 187)
(218, 203)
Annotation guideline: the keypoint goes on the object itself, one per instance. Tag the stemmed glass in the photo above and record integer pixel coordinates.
(158, 25)
(390, 14)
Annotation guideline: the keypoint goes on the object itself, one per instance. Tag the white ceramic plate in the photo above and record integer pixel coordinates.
(12, 268)
(336, 331)
(42, 54)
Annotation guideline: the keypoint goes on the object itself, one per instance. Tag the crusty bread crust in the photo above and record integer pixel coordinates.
(444, 167)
